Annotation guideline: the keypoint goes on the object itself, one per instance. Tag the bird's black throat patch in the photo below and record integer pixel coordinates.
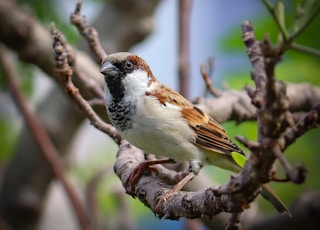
(115, 87)
(120, 110)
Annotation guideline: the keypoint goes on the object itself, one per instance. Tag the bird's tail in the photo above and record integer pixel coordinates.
(273, 198)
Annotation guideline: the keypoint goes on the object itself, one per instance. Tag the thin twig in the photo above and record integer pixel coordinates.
(88, 32)
(65, 72)
(47, 148)
(207, 80)
(307, 122)
(270, 8)
(85, 81)
(296, 177)
(304, 49)
(252, 145)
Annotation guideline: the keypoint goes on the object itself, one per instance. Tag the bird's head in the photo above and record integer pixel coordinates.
(126, 73)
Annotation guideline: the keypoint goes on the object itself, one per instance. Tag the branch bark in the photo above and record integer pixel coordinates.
(150, 187)
(237, 106)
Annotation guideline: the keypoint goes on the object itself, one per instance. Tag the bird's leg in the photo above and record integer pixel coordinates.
(176, 188)
(140, 169)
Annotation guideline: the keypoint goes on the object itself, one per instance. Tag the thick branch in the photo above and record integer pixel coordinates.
(150, 187)
(237, 106)
(272, 108)
(263, 97)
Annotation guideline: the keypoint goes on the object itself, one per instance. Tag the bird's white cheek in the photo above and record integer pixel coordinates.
(136, 83)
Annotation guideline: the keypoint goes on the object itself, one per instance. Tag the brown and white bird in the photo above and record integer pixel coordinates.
(158, 120)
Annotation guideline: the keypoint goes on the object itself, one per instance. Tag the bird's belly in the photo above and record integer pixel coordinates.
(163, 138)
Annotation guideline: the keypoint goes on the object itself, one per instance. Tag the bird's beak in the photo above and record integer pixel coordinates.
(108, 69)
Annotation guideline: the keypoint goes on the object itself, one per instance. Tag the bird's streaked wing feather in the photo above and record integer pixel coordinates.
(210, 134)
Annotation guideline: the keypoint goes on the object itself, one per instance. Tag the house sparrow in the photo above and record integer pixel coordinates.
(158, 120)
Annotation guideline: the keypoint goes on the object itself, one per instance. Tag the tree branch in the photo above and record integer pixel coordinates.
(274, 118)
(206, 77)
(307, 122)
(88, 32)
(150, 187)
(236, 105)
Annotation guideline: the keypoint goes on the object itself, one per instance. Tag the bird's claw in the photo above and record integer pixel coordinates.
(139, 171)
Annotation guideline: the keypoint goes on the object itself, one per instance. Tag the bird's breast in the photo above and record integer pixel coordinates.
(160, 130)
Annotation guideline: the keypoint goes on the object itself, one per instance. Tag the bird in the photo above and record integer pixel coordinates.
(159, 120)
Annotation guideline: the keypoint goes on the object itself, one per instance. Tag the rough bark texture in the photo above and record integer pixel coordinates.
(236, 105)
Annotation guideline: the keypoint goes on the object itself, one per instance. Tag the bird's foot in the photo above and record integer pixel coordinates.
(138, 172)
(176, 188)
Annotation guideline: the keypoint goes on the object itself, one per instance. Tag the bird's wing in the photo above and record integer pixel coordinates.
(209, 133)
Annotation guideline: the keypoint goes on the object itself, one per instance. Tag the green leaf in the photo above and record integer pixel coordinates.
(239, 159)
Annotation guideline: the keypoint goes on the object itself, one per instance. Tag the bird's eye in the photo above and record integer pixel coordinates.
(128, 65)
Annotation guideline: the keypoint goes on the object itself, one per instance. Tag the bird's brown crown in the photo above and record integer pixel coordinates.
(136, 60)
